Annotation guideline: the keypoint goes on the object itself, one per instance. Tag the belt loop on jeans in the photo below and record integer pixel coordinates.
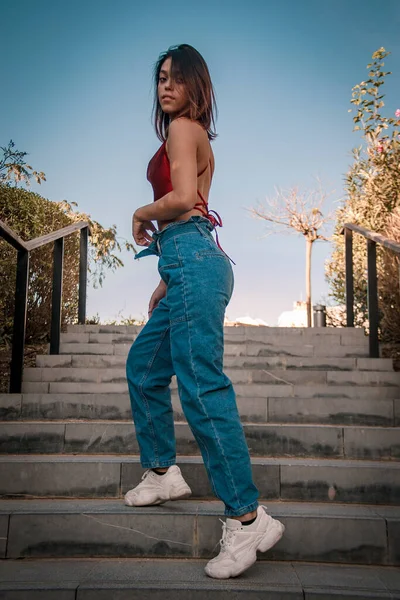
(200, 229)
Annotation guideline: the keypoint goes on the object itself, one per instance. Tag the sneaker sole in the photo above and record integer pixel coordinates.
(177, 496)
(231, 575)
(185, 493)
(274, 535)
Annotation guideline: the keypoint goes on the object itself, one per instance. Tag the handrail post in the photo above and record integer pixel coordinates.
(19, 328)
(21, 289)
(373, 314)
(56, 300)
(348, 237)
(83, 266)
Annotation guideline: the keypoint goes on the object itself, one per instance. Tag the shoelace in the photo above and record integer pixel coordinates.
(227, 537)
(145, 474)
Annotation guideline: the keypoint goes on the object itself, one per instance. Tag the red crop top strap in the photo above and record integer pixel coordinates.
(216, 221)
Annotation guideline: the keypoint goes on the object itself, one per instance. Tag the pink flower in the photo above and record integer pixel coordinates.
(397, 113)
(379, 149)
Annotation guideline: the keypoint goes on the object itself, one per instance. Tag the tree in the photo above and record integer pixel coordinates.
(297, 212)
(372, 188)
(30, 215)
(13, 166)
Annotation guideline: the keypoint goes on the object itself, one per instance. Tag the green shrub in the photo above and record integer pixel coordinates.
(30, 216)
(372, 198)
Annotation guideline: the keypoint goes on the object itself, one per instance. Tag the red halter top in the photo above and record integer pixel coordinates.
(159, 175)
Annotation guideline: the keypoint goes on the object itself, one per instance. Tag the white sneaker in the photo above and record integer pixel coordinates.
(239, 544)
(156, 489)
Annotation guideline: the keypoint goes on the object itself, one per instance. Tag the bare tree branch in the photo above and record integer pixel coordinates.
(13, 166)
(292, 211)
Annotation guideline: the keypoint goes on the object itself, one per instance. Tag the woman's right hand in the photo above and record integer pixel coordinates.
(156, 296)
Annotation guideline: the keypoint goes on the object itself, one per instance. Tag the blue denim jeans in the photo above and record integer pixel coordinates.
(184, 336)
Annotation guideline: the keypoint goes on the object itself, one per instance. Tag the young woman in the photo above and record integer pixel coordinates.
(184, 333)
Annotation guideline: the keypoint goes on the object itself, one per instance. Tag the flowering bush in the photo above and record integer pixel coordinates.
(372, 198)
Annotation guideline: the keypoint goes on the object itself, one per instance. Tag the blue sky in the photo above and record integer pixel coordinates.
(77, 95)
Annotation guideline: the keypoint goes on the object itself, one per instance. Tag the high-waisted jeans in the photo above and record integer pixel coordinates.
(184, 337)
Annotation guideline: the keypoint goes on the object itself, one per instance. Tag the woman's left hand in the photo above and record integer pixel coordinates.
(140, 229)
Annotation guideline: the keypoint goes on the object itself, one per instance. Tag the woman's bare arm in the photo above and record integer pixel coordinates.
(157, 295)
(182, 141)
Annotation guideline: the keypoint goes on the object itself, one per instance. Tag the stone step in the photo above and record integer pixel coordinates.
(272, 440)
(235, 374)
(266, 340)
(241, 331)
(267, 336)
(320, 410)
(191, 529)
(85, 361)
(276, 389)
(104, 328)
(255, 348)
(108, 476)
(184, 579)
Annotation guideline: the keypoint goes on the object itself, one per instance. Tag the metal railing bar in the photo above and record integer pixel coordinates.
(55, 235)
(12, 238)
(56, 301)
(374, 237)
(348, 236)
(22, 283)
(372, 291)
(18, 340)
(83, 270)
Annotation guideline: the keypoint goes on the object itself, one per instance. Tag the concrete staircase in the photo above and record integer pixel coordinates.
(322, 422)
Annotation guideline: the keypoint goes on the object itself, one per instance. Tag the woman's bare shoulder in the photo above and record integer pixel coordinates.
(185, 126)
(186, 135)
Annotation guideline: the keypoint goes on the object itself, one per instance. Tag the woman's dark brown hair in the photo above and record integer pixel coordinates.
(187, 64)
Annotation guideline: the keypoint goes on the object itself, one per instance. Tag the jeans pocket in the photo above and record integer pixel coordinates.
(162, 267)
(207, 247)
(169, 257)
(166, 264)
(204, 253)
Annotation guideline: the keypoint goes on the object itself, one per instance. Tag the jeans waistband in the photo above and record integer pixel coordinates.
(177, 227)
(172, 230)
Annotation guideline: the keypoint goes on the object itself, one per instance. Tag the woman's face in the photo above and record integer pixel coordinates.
(172, 95)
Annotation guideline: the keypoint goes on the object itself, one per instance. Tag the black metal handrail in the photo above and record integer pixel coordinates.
(21, 289)
(372, 279)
